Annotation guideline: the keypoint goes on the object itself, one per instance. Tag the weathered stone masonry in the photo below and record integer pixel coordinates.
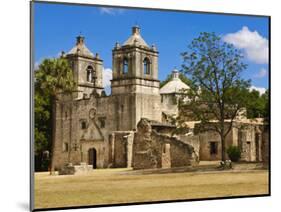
(154, 150)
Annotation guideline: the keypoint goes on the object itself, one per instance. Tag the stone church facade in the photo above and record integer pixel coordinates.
(88, 123)
(100, 131)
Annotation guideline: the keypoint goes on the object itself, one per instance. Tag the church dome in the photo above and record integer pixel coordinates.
(80, 48)
(175, 85)
(135, 38)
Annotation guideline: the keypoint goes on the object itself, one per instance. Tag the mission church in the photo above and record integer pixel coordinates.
(99, 131)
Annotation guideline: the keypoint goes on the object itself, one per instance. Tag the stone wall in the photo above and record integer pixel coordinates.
(248, 136)
(265, 145)
(169, 104)
(205, 144)
(120, 149)
(79, 129)
(181, 153)
(154, 150)
(192, 140)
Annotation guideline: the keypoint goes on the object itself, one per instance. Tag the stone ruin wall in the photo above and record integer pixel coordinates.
(155, 150)
(192, 140)
(120, 148)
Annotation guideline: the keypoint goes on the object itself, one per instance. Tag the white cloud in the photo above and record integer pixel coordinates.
(107, 76)
(36, 65)
(262, 73)
(111, 11)
(40, 60)
(254, 45)
(260, 89)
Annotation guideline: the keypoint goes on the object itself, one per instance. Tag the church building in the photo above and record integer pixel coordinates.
(88, 122)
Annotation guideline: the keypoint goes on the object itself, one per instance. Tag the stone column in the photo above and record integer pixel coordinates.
(258, 140)
(112, 141)
(129, 140)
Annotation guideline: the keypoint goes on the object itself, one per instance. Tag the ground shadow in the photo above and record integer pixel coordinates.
(23, 205)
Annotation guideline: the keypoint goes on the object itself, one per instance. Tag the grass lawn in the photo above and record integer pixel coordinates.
(109, 186)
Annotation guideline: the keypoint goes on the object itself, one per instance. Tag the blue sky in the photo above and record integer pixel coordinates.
(57, 25)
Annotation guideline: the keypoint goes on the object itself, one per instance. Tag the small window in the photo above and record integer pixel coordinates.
(83, 125)
(213, 148)
(65, 147)
(102, 122)
(125, 66)
(91, 73)
(146, 66)
(75, 147)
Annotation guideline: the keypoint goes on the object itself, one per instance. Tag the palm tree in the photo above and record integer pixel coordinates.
(54, 77)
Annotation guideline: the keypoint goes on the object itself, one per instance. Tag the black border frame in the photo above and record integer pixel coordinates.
(31, 89)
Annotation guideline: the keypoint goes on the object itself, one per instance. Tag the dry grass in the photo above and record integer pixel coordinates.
(114, 186)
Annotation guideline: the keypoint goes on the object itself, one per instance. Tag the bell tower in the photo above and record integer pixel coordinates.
(135, 79)
(134, 60)
(87, 68)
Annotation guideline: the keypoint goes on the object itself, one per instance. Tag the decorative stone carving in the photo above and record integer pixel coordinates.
(92, 113)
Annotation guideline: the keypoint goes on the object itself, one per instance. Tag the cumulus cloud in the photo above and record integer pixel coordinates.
(262, 73)
(251, 42)
(111, 11)
(107, 76)
(259, 89)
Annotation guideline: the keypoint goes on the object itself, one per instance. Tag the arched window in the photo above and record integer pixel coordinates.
(146, 66)
(90, 73)
(125, 66)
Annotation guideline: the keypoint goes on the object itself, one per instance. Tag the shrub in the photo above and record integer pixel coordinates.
(234, 153)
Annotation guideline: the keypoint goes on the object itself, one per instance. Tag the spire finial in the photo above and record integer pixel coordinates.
(136, 30)
(79, 39)
(175, 73)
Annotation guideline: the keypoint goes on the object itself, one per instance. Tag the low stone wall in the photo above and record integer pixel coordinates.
(247, 166)
(76, 169)
(192, 140)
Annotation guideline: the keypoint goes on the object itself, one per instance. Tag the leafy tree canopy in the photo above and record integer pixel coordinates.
(257, 105)
(54, 76)
(216, 90)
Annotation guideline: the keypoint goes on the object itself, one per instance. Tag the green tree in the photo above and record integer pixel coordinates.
(257, 105)
(216, 91)
(265, 99)
(53, 78)
(43, 124)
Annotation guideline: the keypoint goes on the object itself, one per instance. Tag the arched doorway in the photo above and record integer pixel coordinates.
(93, 157)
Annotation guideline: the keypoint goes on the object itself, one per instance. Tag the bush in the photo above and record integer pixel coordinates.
(234, 153)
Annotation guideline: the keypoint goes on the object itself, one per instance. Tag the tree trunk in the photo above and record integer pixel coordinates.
(52, 170)
(223, 148)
